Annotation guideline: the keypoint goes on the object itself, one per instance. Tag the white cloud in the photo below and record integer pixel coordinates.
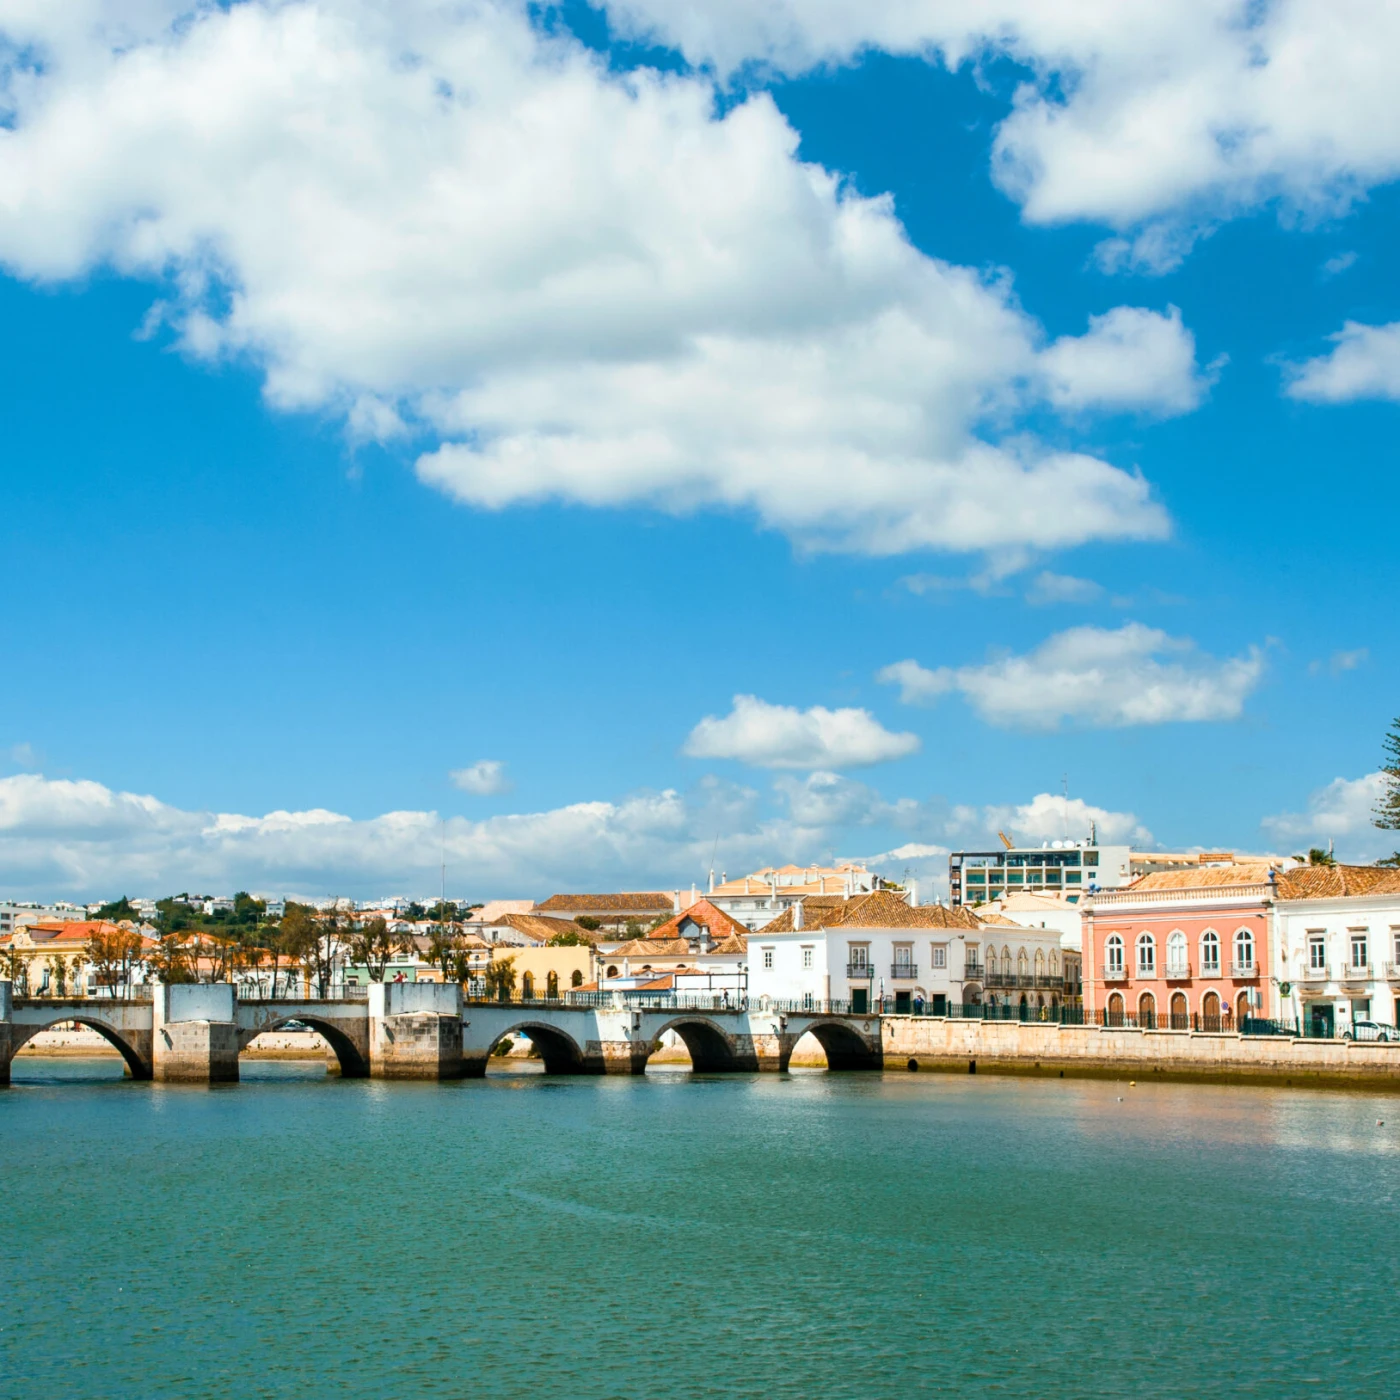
(580, 284)
(1047, 588)
(824, 799)
(24, 755)
(1340, 661)
(1364, 363)
(1093, 676)
(1051, 817)
(84, 838)
(1344, 808)
(484, 778)
(1156, 118)
(1338, 264)
(782, 736)
(1130, 359)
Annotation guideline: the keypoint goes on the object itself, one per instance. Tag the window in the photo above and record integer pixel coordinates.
(1244, 948)
(940, 955)
(1395, 945)
(1176, 953)
(806, 957)
(1358, 949)
(551, 986)
(768, 958)
(576, 978)
(903, 956)
(1113, 954)
(1317, 954)
(1210, 953)
(860, 956)
(1146, 955)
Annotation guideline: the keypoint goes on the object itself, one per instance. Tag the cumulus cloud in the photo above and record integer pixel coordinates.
(1095, 677)
(575, 283)
(1364, 363)
(82, 838)
(824, 799)
(484, 778)
(782, 736)
(1339, 662)
(1156, 118)
(1130, 359)
(1343, 808)
(1051, 817)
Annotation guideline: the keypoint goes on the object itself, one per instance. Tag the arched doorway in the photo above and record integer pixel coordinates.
(1114, 1016)
(527, 986)
(1242, 1008)
(1210, 1012)
(1181, 1016)
(1147, 1011)
(551, 986)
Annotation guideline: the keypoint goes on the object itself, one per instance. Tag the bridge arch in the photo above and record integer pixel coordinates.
(348, 1056)
(711, 1049)
(845, 1048)
(138, 1066)
(560, 1052)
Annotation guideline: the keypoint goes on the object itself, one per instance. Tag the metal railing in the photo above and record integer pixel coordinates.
(907, 970)
(972, 970)
(1317, 974)
(1356, 972)
(860, 972)
(1115, 974)
(1023, 981)
(1244, 969)
(1178, 972)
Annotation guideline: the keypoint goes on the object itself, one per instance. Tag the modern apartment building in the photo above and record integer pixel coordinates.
(1071, 868)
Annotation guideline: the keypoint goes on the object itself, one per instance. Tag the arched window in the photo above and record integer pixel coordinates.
(551, 986)
(1210, 954)
(1054, 963)
(576, 980)
(1113, 954)
(1040, 962)
(1022, 966)
(527, 986)
(1146, 955)
(1006, 961)
(1244, 950)
(612, 972)
(1176, 953)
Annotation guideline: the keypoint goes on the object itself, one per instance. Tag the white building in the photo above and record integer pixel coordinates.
(757, 899)
(1337, 946)
(16, 914)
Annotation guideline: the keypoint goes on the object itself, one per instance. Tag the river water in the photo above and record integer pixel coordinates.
(799, 1235)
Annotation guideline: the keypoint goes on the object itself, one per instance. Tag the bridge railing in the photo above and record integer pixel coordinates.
(631, 999)
(335, 991)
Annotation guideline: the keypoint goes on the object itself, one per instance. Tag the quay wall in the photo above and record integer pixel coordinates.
(1034, 1048)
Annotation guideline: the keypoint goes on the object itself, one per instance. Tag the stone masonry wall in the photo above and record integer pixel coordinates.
(1012, 1047)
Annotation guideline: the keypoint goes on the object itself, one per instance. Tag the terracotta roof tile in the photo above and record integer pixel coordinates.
(625, 902)
(881, 909)
(1331, 881)
(702, 912)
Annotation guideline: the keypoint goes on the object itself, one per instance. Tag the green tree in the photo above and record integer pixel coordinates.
(589, 922)
(568, 940)
(500, 978)
(444, 947)
(118, 910)
(1387, 811)
(372, 945)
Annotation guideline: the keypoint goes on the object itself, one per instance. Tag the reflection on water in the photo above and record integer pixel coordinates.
(860, 1236)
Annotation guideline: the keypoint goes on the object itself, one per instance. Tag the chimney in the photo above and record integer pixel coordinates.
(712, 879)
(797, 916)
(676, 901)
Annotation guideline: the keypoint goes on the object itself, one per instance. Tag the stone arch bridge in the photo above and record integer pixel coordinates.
(425, 1031)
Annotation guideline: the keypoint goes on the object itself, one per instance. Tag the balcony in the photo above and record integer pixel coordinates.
(904, 971)
(859, 972)
(1392, 972)
(1178, 972)
(1356, 972)
(972, 971)
(1210, 969)
(1115, 974)
(1244, 970)
(1022, 981)
(1317, 974)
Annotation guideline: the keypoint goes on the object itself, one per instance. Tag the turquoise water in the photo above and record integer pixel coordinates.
(777, 1236)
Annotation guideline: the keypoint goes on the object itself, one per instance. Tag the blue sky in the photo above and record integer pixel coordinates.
(520, 389)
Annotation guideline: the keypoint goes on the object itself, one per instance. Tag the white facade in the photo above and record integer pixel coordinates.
(15, 915)
(1340, 958)
(758, 898)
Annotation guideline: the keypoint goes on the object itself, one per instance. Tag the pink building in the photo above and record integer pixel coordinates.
(1182, 950)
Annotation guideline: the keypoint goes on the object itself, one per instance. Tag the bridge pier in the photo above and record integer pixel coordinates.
(194, 1034)
(415, 1031)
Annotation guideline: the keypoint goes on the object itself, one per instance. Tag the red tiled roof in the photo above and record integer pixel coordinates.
(880, 909)
(702, 912)
(625, 902)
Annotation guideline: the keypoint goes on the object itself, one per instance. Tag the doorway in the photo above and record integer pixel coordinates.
(860, 1001)
(1321, 1022)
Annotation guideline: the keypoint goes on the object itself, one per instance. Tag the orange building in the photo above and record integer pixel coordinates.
(1181, 950)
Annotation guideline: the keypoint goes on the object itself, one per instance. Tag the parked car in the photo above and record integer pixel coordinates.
(1371, 1030)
